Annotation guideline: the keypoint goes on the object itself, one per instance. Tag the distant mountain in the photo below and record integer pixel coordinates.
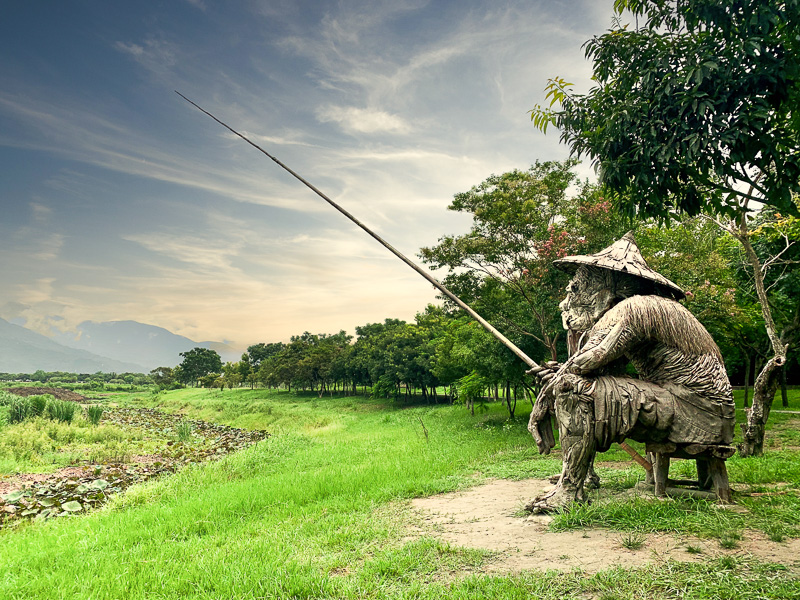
(25, 351)
(131, 341)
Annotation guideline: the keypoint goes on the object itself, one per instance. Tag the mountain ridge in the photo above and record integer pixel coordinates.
(109, 346)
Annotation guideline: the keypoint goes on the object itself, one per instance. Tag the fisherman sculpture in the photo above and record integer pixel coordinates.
(618, 311)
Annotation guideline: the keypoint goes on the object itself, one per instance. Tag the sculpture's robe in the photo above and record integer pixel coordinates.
(682, 394)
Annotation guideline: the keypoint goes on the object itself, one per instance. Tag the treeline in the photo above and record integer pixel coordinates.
(503, 267)
(441, 357)
(94, 381)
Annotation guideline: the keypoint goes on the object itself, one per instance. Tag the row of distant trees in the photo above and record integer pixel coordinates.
(441, 355)
(96, 380)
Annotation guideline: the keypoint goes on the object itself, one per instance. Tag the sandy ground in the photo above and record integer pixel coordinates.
(489, 517)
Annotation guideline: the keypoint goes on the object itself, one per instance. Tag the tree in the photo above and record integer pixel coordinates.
(232, 374)
(695, 111)
(163, 377)
(257, 353)
(199, 362)
(522, 221)
(691, 108)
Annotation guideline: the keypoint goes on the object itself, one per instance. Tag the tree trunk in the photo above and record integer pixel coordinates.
(747, 381)
(767, 380)
(757, 416)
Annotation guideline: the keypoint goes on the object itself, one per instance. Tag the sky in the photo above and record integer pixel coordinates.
(120, 201)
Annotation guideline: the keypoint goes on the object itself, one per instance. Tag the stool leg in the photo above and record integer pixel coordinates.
(719, 476)
(703, 475)
(661, 473)
(648, 478)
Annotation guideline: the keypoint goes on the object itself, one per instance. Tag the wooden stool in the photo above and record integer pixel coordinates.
(711, 471)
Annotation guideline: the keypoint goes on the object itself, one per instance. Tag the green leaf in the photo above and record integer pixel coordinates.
(13, 497)
(72, 506)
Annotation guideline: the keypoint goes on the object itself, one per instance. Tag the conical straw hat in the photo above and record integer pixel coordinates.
(623, 256)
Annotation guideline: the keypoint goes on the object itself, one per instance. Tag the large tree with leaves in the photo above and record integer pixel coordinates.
(694, 107)
(522, 221)
(199, 362)
(695, 110)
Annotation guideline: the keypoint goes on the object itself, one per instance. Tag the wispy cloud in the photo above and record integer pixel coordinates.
(40, 212)
(76, 134)
(363, 120)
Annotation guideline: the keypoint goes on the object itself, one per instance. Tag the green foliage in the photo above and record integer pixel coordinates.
(258, 353)
(322, 507)
(43, 443)
(633, 540)
(94, 413)
(198, 363)
(163, 377)
(691, 106)
(522, 221)
(184, 431)
(60, 410)
(18, 410)
(471, 389)
(38, 404)
(7, 398)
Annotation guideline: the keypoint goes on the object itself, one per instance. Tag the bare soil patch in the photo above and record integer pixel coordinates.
(57, 393)
(490, 517)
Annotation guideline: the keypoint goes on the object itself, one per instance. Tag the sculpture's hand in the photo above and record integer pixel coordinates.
(540, 425)
(540, 422)
(546, 373)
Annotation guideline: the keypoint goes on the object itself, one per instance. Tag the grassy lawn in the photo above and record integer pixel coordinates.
(319, 510)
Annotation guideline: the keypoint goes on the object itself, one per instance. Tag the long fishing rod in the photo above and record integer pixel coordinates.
(535, 368)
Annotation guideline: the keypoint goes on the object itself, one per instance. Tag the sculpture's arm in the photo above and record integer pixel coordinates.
(603, 347)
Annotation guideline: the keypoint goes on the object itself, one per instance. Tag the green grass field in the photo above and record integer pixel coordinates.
(319, 510)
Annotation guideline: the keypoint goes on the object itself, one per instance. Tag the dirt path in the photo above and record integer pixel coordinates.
(488, 517)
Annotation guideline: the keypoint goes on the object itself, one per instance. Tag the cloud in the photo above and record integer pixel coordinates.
(134, 50)
(363, 120)
(156, 55)
(40, 211)
(79, 135)
(208, 252)
(49, 247)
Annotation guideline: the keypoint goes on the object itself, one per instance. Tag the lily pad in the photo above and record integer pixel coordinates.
(72, 506)
(13, 497)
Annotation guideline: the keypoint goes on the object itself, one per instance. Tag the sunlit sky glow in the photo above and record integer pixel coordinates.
(121, 201)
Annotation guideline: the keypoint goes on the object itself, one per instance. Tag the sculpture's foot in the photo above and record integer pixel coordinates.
(592, 481)
(553, 501)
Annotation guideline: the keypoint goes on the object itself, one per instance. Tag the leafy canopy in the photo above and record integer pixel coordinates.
(693, 107)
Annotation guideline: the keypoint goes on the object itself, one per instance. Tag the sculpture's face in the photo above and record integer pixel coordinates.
(588, 299)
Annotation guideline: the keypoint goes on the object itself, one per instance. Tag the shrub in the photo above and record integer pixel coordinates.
(37, 405)
(6, 398)
(184, 431)
(18, 410)
(59, 410)
(93, 414)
